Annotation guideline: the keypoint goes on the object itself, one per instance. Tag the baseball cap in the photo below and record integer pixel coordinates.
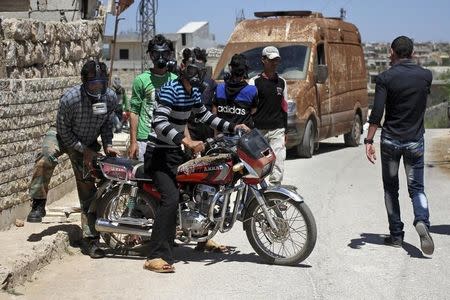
(270, 52)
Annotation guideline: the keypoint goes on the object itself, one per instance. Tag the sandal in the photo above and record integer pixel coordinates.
(159, 265)
(211, 246)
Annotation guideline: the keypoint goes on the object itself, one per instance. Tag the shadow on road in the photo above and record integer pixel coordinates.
(323, 148)
(73, 231)
(378, 239)
(186, 254)
(440, 229)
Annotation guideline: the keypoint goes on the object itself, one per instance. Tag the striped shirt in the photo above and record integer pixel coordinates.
(76, 124)
(172, 110)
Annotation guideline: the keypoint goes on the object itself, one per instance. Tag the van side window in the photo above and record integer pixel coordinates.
(321, 54)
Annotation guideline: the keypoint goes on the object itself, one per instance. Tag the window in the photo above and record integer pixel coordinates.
(183, 39)
(124, 54)
(293, 65)
(321, 54)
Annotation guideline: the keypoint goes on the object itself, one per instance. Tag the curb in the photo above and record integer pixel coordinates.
(42, 253)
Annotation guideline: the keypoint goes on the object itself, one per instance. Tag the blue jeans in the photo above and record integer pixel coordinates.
(413, 161)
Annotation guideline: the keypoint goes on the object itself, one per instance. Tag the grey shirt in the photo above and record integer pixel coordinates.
(76, 124)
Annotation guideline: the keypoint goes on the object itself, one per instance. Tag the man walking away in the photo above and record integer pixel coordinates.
(402, 91)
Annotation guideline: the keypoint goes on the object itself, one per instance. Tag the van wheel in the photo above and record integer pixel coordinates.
(353, 138)
(306, 147)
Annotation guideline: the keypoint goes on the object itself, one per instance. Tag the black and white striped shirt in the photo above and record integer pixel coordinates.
(76, 124)
(172, 110)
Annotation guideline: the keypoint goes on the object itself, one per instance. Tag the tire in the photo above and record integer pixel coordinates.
(353, 138)
(306, 148)
(255, 219)
(113, 205)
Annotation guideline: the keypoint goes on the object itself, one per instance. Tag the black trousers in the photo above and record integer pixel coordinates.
(163, 168)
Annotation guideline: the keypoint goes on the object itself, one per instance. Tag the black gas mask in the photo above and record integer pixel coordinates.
(95, 84)
(161, 56)
(195, 72)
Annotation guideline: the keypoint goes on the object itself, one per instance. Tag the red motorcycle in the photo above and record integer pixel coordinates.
(216, 190)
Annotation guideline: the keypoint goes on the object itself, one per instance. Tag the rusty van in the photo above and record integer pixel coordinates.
(323, 63)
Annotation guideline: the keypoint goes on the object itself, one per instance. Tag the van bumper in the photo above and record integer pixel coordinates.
(294, 132)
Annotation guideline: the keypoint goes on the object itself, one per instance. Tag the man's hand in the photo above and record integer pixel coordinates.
(110, 151)
(370, 153)
(195, 146)
(243, 127)
(88, 158)
(133, 150)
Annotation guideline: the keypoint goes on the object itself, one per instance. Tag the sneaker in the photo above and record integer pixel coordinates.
(37, 211)
(426, 242)
(393, 242)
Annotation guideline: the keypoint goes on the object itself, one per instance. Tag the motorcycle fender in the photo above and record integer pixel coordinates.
(101, 190)
(288, 191)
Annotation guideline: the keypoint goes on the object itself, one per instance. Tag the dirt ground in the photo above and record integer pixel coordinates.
(439, 153)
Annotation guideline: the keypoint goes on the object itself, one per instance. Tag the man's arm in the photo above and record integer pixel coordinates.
(64, 126)
(135, 109)
(375, 117)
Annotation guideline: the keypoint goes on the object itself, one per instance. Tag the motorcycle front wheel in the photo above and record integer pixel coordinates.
(113, 206)
(295, 238)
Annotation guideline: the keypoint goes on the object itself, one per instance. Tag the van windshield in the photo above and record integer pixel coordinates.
(293, 65)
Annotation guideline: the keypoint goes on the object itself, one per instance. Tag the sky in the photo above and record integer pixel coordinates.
(378, 21)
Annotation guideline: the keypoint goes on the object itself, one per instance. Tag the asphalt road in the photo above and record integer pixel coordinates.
(349, 261)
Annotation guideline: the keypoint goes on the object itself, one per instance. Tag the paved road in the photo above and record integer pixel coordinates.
(349, 262)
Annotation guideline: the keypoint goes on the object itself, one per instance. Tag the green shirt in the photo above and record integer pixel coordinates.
(145, 87)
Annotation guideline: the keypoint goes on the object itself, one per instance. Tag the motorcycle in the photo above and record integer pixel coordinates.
(216, 190)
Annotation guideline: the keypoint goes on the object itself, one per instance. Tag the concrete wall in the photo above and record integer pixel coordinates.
(48, 10)
(38, 61)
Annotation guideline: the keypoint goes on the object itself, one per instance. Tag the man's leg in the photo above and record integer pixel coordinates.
(413, 158)
(142, 147)
(276, 140)
(390, 159)
(45, 164)
(164, 164)
(86, 194)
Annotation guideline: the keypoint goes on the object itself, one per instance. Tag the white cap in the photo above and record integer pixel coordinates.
(270, 52)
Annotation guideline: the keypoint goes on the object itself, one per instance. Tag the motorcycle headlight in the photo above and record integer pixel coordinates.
(292, 107)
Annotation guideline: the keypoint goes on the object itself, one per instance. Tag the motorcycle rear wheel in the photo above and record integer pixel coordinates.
(113, 206)
(296, 236)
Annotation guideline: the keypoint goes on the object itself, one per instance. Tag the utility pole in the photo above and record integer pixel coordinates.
(146, 19)
(113, 50)
(343, 13)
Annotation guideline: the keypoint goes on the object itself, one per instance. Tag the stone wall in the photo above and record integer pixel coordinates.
(38, 61)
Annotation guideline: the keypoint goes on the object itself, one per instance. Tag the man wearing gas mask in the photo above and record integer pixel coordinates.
(145, 86)
(175, 102)
(197, 130)
(235, 100)
(83, 115)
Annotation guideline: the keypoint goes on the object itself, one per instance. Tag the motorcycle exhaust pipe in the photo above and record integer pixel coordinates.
(104, 225)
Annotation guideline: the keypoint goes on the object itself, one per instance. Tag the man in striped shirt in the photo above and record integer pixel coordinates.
(164, 154)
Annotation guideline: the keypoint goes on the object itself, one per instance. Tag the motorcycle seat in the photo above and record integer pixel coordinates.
(134, 168)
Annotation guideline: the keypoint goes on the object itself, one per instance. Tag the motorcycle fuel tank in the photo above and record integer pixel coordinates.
(210, 169)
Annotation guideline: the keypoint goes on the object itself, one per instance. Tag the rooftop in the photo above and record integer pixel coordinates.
(192, 27)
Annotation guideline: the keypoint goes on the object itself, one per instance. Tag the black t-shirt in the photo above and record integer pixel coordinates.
(271, 112)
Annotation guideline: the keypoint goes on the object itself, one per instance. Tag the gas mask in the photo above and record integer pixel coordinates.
(95, 89)
(95, 83)
(160, 55)
(195, 72)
